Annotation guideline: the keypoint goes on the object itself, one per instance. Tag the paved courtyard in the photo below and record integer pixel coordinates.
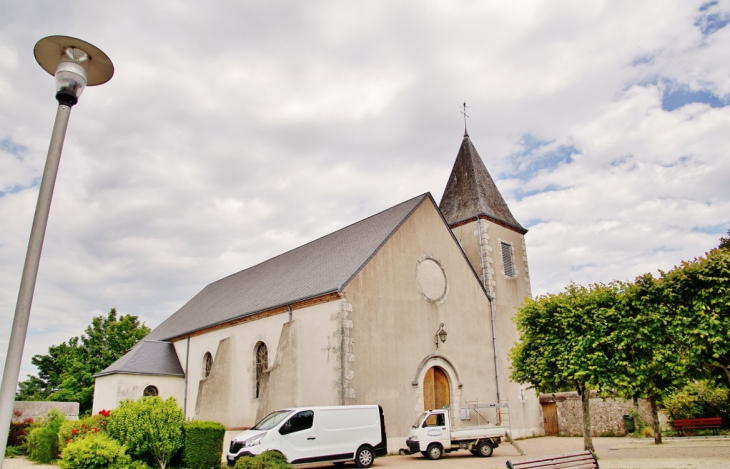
(613, 453)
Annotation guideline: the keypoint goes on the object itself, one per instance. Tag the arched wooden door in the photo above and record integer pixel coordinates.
(436, 389)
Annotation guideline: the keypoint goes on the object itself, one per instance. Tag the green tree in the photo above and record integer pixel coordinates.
(725, 242)
(647, 362)
(50, 368)
(566, 343)
(148, 427)
(698, 295)
(66, 372)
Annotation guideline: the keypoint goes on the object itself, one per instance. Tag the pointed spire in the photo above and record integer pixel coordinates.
(471, 192)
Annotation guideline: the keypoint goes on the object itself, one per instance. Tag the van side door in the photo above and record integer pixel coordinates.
(298, 440)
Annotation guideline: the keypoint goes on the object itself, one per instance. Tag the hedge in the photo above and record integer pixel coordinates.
(203, 444)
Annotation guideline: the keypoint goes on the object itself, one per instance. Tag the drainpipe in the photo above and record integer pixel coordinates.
(288, 307)
(185, 395)
(492, 315)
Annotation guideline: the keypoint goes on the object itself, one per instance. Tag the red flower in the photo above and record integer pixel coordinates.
(74, 431)
(83, 425)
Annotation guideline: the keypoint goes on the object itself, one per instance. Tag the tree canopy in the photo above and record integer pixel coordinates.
(66, 372)
(567, 342)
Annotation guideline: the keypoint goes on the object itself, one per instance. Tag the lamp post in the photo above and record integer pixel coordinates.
(75, 64)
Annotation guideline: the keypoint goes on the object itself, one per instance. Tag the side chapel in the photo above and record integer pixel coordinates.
(353, 318)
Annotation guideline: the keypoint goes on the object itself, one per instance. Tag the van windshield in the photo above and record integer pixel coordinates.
(272, 420)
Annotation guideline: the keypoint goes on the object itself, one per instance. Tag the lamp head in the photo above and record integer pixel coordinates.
(74, 63)
(441, 333)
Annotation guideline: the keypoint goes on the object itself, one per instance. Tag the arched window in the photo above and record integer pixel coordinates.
(262, 363)
(207, 364)
(150, 391)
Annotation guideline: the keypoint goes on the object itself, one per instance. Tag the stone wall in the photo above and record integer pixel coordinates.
(606, 414)
(35, 409)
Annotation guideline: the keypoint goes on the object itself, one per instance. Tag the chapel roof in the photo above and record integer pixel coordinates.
(471, 192)
(149, 357)
(321, 267)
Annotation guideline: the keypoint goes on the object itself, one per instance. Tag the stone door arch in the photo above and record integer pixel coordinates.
(437, 384)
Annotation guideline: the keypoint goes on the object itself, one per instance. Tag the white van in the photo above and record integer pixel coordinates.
(336, 434)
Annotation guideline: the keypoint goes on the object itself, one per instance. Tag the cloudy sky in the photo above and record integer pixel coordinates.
(233, 131)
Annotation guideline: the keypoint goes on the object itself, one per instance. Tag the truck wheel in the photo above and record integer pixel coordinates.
(434, 451)
(484, 449)
(364, 457)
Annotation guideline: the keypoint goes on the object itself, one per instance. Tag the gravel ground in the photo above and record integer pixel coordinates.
(613, 453)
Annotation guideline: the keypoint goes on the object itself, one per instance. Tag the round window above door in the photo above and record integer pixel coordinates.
(431, 280)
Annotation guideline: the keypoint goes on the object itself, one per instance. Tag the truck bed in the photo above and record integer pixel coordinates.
(475, 432)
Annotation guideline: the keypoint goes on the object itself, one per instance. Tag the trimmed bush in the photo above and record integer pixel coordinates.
(203, 444)
(43, 437)
(96, 451)
(265, 460)
(149, 428)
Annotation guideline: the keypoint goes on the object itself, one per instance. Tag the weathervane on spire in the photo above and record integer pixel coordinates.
(463, 111)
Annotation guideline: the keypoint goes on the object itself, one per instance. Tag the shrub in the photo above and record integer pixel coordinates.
(203, 444)
(13, 451)
(72, 430)
(43, 437)
(698, 399)
(18, 432)
(265, 460)
(149, 428)
(96, 451)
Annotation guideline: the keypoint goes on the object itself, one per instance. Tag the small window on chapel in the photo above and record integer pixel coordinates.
(507, 260)
(262, 363)
(207, 364)
(151, 391)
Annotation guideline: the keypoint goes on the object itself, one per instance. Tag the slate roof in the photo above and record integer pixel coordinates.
(323, 266)
(149, 357)
(471, 191)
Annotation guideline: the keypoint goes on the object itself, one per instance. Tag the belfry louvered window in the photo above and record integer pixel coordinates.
(507, 260)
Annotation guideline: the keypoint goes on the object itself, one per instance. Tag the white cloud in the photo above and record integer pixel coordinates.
(234, 131)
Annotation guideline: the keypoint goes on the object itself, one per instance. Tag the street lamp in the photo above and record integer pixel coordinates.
(75, 64)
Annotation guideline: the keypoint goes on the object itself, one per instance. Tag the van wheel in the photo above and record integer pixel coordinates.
(434, 451)
(484, 449)
(364, 457)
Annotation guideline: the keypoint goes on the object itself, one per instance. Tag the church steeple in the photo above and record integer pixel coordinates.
(471, 192)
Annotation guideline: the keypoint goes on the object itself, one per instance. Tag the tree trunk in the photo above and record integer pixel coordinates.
(587, 437)
(655, 417)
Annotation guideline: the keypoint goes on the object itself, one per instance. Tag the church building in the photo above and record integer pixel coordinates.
(410, 309)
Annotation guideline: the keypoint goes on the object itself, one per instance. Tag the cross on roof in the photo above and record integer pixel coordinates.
(463, 111)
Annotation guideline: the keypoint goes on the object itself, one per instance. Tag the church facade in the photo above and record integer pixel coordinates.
(354, 318)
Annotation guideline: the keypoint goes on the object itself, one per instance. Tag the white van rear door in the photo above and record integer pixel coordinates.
(298, 437)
